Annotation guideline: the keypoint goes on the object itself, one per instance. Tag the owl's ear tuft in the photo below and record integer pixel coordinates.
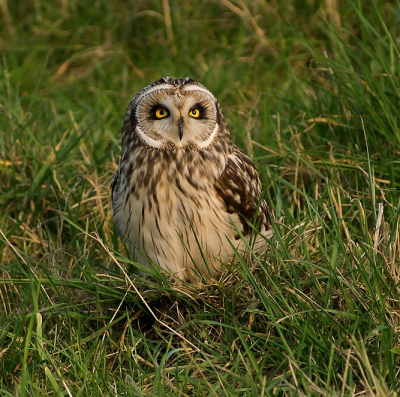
(165, 79)
(174, 82)
(188, 80)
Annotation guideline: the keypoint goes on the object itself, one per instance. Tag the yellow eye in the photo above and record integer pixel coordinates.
(161, 113)
(194, 113)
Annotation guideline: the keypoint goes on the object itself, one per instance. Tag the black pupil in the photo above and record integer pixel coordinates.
(162, 112)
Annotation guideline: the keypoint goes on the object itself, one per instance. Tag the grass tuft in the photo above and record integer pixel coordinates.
(310, 91)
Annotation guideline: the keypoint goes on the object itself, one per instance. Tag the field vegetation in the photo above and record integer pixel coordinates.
(311, 91)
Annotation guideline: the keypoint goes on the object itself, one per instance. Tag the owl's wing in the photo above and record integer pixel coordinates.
(239, 188)
(114, 182)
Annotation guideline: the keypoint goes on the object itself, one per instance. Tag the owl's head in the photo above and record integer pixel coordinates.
(174, 114)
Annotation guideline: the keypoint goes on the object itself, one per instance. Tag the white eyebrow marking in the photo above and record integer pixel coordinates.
(197, 88)
(159, 87)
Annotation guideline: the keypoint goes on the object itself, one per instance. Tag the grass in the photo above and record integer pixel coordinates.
(311, 92)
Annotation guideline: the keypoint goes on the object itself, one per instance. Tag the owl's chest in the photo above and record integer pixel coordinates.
(183, 224)
(168, 210)
(177, 200)
(173, 202)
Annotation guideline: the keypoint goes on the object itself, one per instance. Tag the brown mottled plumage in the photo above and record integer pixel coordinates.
(183, 189)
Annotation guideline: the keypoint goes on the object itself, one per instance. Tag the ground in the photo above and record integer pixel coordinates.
(311, 92)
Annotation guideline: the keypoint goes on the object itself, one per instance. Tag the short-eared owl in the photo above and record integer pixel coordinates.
(183, 190)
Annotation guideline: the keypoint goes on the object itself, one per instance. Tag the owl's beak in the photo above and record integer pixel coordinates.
(180, 128)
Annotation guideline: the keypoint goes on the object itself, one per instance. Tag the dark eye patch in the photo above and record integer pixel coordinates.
(201, 109)
(154, 109)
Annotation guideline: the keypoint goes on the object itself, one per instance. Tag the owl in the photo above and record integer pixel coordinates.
(184, 195)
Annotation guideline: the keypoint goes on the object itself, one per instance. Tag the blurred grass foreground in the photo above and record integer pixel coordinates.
(311, 92)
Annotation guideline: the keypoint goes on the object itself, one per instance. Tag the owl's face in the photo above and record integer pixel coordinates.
(175, 114)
